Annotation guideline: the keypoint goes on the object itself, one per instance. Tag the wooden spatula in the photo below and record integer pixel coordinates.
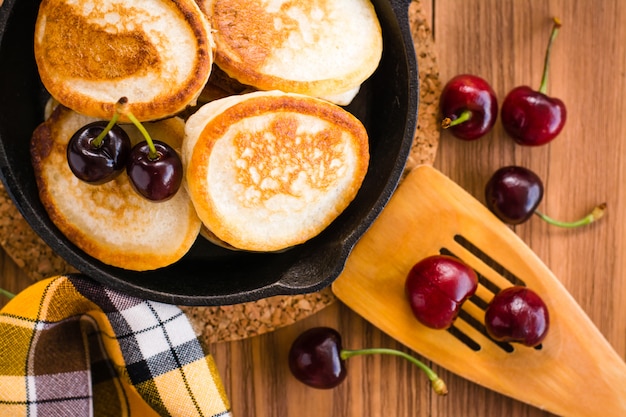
(575, 372)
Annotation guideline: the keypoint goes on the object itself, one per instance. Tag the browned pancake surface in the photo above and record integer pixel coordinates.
(158, 55)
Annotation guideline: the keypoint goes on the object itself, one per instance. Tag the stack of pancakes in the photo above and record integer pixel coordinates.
(247, 92)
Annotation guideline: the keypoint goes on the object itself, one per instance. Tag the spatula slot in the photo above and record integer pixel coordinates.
(493, 264)
(476, 324)
(480, 303)
(463, 338)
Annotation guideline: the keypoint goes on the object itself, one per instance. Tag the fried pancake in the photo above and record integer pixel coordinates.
(322, 48)
(111, 222)
(157, 53)
(270, 170)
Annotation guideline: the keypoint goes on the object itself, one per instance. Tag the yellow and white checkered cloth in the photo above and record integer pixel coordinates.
(72, 347)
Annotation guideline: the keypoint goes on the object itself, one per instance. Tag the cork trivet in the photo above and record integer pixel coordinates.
(228, 323)
(426, 137)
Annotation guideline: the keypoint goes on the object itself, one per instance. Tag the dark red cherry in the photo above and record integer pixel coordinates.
(96, 158)
(436, 288)
(317, 359)
(517, 314)
(155, 173)
(530, 117)
(469, 106)
(513, 194)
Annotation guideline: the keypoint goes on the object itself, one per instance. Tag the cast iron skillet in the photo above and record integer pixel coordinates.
(209, 275)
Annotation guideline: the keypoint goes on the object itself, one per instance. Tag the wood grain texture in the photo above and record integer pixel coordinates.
(503, 42)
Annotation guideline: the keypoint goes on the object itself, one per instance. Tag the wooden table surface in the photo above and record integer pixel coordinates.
(504, 42)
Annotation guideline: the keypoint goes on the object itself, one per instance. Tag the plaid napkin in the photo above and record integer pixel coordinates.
(71, 347)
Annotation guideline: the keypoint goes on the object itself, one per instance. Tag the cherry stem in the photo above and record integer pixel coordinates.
(97, 142)
(546, 63)
(6, 293)
(121, 108)
(595, 214)
(464, 117)
(153, 152)
(439, 386)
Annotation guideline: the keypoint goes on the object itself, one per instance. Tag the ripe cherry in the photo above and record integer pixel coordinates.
(97, 152)
(436, 288)
(155, 170)
(517, 314)
(317, 359)
(530, 117)
(469, 106)
(513, 194)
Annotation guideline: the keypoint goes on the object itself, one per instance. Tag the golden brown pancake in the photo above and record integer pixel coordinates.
(269, 170)
(157, 53)
(111, 222)
(322, 48)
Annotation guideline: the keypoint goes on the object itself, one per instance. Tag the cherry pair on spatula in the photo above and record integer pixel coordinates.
(99, 151)
(439, 285)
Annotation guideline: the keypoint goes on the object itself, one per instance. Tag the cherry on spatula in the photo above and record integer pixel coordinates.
(517, 314)
(436, 288)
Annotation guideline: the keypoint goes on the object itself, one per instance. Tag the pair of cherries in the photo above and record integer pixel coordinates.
(470, 107)
(99, 151)
(439, 285)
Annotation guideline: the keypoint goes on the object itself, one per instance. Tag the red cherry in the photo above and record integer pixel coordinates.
(517, 314)
(154, 168)
(155, 172)
(98, 151)
(314, 358)
(513, 194)
(530, 117)
(436, 287)
(469, 107)
(317, 359)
